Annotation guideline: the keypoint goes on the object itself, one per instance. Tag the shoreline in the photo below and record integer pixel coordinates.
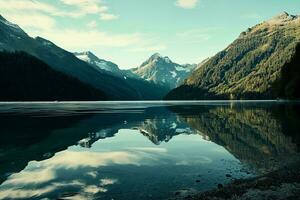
(154, 101)
(280, 184)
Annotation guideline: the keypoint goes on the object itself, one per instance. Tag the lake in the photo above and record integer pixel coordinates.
(140, 150)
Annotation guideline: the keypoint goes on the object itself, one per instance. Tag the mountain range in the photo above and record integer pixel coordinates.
(262, 63)
(161, 70)
(158, 69)
(97, 63)
(13, 38)
(105, 66)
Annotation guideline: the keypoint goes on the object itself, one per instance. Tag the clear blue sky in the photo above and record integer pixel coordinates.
(127, 32)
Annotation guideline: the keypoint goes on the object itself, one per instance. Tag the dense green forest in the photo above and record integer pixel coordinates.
(26, 78)
(289, 84)
(257, 65)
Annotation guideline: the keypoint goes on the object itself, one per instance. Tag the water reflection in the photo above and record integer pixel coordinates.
(258, 135)
(139, 152)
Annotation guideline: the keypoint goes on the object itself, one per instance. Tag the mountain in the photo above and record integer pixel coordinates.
(146, 90)
(160, 130)
(163, 71)
(101, 64)
(13, 38)
(262, 63)
(26, 78)
(104, 65)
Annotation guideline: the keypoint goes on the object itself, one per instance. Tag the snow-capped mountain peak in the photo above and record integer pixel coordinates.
(99, 64)
(161, 70)
(156, 55)
(155, 58)
(86, 56)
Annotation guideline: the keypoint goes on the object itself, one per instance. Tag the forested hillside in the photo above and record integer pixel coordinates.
(26, 78)
(261, 64)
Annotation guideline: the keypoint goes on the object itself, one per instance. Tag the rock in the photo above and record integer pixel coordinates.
(228, 175)
(220, 186)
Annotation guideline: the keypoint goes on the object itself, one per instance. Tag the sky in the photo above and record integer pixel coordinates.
(127, 32)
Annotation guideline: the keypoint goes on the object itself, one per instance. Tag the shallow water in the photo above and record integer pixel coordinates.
(140, 150)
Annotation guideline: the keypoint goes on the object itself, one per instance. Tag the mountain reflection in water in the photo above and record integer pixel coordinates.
(139, 150)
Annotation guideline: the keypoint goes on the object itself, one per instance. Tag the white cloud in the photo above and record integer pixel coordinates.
(96, 7)
(92, 24)
(39, 18)
(108, 17)
(88, 6)
(34, 21)
(93, 38)
(79, 8)
(108, 181)
(78, 39)
(187, 4)
(195, 35)
(45, 26)
(25, 5)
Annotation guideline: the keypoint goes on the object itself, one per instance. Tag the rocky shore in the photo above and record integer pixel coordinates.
(282, 184)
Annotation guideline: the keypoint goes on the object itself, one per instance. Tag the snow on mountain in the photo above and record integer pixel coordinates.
(98, 73)
(101, 64)
(104, 65)
(161, 70)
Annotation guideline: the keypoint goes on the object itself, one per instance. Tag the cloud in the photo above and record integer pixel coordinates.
(25, 5)
(41, 18)
(108, 17)
(107, 181)
(96, 7)
(34, 21)
(29, 14)
(78, 8)
(186, 4)
(92, 24)
(78, 39)
(88, 6)
(196, 35)
(93, 38)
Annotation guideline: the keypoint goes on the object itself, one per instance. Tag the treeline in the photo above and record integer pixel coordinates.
(26, 78)
(286, 87)
(258, 65)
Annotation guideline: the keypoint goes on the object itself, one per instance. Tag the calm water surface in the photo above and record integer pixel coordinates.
(140, 150)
